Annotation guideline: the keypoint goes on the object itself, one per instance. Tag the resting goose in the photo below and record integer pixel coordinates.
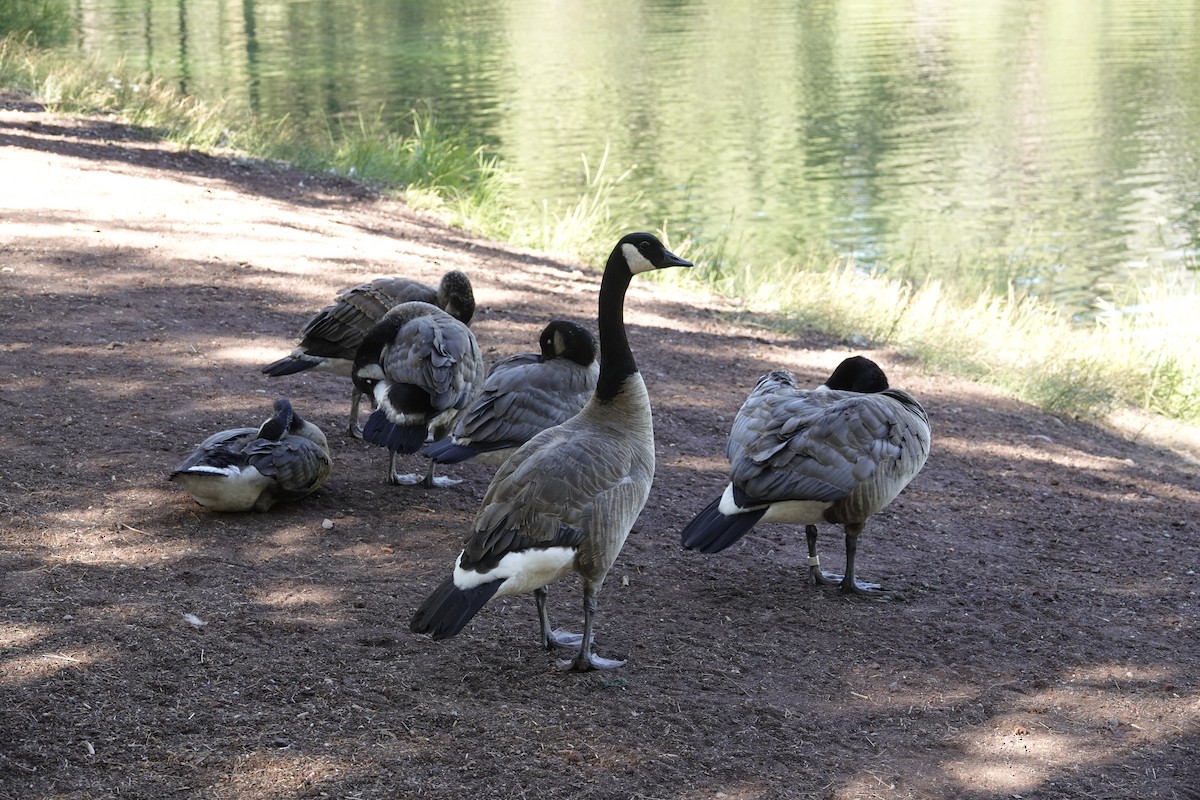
(523, 395)
(422, 367)
(331, 337)
(565, 500)
(839, 453)
(254, 468)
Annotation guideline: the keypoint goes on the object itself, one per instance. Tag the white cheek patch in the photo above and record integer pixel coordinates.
(637, 262)
(380, 392)
(371, 372)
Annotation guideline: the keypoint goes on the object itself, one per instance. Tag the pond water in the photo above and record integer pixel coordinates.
(1052, 143)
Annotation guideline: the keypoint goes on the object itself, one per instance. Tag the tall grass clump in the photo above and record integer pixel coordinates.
(585, 228)
(415, 158)
(430, 167)
(72, 85)
(43, 23)
(1145, 356)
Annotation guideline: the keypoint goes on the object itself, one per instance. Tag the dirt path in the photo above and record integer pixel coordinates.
(1047, 646)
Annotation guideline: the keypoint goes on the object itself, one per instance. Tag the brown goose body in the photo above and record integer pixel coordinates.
(802, 456)
(331, 337)
(523, 395)
(423, 368)
(243, 469)
(565, 501)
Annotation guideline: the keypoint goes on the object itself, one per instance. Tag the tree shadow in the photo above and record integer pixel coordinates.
(1044, 648)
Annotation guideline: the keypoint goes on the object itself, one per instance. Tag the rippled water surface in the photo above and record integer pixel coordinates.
(1054, 144)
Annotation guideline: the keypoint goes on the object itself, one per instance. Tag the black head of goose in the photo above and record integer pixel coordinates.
(422, 368)
(565, 501)
(331, 337)
(523, 395)
(241, 469)
(839, 453)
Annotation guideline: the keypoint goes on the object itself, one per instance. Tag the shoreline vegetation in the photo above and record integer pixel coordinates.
(1139, 372)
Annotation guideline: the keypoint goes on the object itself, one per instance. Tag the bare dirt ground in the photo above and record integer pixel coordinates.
(1046, 645)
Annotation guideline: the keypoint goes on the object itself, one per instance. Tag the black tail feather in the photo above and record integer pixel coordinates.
(445, 451)
(381, 431)
(448, 609)
(711, 531)
(290, 366)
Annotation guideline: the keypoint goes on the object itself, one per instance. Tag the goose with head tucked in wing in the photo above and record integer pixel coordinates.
(240, 469)
(423, 368)
(330, 339)
(565, 500)
(523, 395)
(839, 453)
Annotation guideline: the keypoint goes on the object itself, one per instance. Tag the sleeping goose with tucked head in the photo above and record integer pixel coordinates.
(330, 339)
(523, 395)
(839, 454)
(565, 500)
(422, 367)
(241, 469)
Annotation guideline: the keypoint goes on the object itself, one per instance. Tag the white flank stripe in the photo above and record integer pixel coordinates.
(795, 512)
(522, 572)
(205, 469)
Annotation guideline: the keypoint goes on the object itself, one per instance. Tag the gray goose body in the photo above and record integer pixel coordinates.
(565, 501)
(524, 395)
(241, 469)
(805, 457)
(331, 337)
(423, 368)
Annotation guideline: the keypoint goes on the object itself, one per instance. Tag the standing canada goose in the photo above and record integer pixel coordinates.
(565, 500)
(331, 337)
(523, 395)
(839, 453)
(423, 368)
(254, 468)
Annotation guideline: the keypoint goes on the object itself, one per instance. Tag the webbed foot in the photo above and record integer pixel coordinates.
(426, 481)
(409, 479)
(587, 662)
(852, 586)
(561, 638)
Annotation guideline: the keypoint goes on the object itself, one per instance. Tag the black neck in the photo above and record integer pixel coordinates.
(372, 348)
(616, 359)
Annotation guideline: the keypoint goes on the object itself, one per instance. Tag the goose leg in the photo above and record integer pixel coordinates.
(819, 578)
(355, 401)
(428, 480)
(849, 584)
(552, 638)
(586, 660)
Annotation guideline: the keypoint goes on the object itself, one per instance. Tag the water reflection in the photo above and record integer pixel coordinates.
(1050, 143)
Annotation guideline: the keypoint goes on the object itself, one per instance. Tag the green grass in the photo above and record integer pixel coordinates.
(39, 22)
(417, 159)
(1146, 361)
